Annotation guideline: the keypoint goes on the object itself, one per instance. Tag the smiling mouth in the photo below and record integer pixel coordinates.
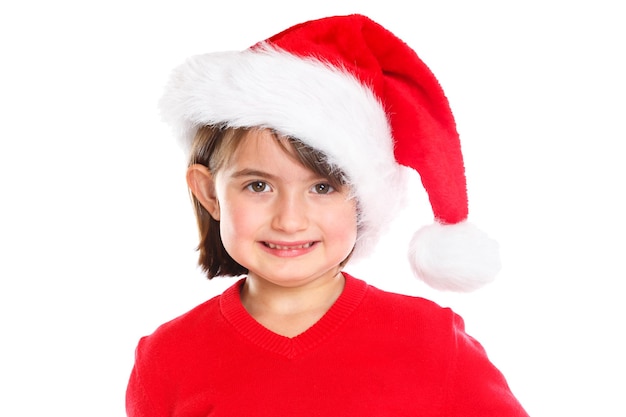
(289, 247)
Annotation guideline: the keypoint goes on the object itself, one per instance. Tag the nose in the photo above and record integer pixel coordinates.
(290, 213)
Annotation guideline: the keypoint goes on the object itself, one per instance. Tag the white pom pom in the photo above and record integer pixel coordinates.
(457, 257)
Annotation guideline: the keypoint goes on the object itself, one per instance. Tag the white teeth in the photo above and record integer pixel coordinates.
(281, 247)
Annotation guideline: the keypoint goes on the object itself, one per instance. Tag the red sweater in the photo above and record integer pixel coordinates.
(374, 353)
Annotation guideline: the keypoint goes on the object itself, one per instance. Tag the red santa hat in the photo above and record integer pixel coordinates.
(350, 88)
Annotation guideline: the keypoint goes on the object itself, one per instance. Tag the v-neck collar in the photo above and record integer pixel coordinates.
(291, 347)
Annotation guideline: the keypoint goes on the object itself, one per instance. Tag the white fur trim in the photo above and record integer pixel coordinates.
(325, 107)
(457, 257)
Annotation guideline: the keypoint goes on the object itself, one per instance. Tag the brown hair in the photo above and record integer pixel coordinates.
(212, 147)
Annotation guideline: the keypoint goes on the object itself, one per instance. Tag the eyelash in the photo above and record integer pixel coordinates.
(327, 188)
(251, 186)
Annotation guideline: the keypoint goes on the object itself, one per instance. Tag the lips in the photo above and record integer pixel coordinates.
(289, 247)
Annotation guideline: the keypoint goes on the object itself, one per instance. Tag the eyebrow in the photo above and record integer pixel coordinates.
(247, 172)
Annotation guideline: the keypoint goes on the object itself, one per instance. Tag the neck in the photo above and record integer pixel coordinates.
(290, 310)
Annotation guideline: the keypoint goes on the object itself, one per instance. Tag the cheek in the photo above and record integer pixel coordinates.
(233, 219)
(236, 225)
(342, 224)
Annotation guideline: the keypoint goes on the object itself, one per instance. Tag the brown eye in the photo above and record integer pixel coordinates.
(323, 188)
(258, 187)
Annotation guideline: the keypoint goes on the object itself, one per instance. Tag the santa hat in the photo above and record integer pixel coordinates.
(350, 88)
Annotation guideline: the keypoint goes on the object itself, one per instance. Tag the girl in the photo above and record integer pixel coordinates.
(296, 150)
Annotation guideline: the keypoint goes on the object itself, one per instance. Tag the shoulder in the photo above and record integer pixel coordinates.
(184, 332)
(432, 339)
(413, 328)
(414, 319)
(189, 322)
(409, 307)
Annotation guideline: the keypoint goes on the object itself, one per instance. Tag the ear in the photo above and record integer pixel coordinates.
(201, 182)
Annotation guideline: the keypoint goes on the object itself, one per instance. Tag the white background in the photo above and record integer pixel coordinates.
(97, 236)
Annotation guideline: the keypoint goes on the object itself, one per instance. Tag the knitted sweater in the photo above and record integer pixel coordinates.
(374, 353)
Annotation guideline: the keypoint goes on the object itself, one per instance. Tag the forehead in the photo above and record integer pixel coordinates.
(265, 148)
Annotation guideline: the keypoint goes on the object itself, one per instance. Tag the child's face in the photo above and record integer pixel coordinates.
(279, 219)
